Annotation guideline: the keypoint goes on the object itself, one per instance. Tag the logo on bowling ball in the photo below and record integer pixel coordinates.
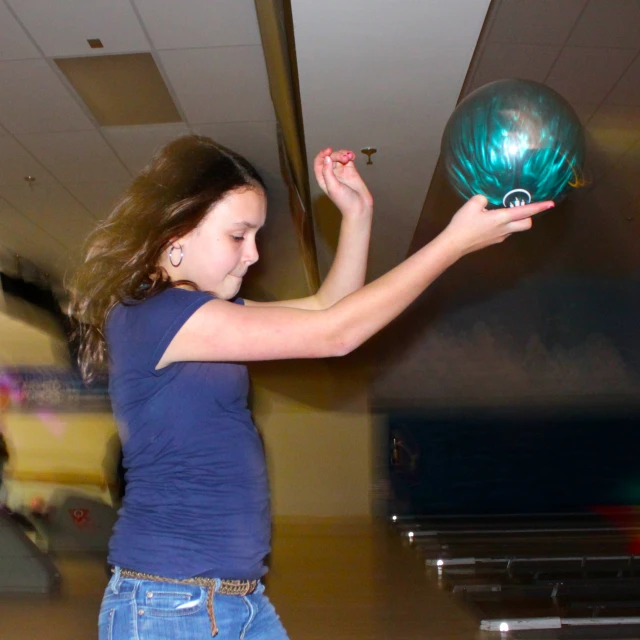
(516, 198)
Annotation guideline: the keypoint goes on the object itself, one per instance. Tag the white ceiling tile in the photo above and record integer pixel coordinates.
(200, 23)
(629, 169)
(584, 74)
(623, 178)
(33, 99)
(622, 118)
(256, 141)
(78, 156)
(627, 91)
(16, 163)
(222, 84)
(611, 133)
(53, 209)
(546, 22)
(27, 239)
(136, 145)
(61, 28)
(504, 60)
(97, 197)
(597, 163)
(584, 111)
(14, 42)
(603, 25)
(23, 227)
(42, 253)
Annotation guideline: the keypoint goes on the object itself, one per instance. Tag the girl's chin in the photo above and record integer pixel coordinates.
(230, 289)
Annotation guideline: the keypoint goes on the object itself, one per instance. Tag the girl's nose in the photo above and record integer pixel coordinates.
(251, 254)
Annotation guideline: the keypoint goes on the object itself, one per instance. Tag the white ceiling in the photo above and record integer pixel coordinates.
(210, 56)
(388, 76)
(371, 73)
(384, 75)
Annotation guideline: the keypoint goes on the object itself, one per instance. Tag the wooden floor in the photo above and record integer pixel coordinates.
(337, 580)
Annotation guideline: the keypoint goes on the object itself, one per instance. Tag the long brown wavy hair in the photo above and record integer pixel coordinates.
(166, 201)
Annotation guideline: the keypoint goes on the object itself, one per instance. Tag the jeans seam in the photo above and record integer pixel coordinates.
(110, 624)
(252, 615)
(135, 607)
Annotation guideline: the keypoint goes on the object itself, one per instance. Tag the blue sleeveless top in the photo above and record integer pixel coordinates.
(197, 497)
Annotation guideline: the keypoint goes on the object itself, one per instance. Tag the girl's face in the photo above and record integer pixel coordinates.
(218, 252)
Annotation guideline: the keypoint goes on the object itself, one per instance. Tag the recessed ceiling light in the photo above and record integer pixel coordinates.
(121, 90)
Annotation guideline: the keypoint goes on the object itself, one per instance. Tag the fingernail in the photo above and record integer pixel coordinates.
(553, 204)
(327, 160)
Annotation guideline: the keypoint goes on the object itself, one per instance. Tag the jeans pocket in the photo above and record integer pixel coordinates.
(170, 599)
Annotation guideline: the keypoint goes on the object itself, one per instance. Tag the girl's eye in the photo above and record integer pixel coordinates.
(238, 238)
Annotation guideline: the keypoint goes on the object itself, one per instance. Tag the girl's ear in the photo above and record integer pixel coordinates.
(182, 240)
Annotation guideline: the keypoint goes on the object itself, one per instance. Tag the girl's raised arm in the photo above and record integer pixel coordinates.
(340, 180)
(222, 331)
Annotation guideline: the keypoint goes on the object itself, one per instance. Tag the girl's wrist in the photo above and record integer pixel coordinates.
(451, 246)
(354, 213)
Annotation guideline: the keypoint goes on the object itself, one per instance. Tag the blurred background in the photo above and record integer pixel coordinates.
(510, 389)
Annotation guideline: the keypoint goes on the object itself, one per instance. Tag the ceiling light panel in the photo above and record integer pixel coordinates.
(61, 28)
(122, 89)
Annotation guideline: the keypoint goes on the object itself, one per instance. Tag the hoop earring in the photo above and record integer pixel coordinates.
(173, 264)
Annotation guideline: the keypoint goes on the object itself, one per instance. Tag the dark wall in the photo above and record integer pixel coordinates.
(507, 461)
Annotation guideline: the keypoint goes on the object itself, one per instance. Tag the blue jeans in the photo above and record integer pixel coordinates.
(149, 610)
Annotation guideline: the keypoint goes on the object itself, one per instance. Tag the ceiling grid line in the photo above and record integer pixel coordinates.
(26, 216)
(71, 91)
(74, 94)
(612, 88)
(163, 72)
(566, 40)
(34, 223)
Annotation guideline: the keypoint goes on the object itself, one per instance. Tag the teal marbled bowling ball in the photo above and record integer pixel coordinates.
(515, 142)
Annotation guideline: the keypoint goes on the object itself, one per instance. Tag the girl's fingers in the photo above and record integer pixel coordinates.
(327, 173)
(321, 156)
(528, 210)
(519, 225)
(318, 166)
(480, 200)
(515, 213)
(343, 156)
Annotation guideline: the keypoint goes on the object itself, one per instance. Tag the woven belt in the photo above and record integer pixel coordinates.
(225, 588)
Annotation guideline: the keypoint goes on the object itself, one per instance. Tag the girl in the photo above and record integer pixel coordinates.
(156, 297)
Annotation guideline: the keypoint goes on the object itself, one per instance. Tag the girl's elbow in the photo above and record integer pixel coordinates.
(340, 336)
(342, 345)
